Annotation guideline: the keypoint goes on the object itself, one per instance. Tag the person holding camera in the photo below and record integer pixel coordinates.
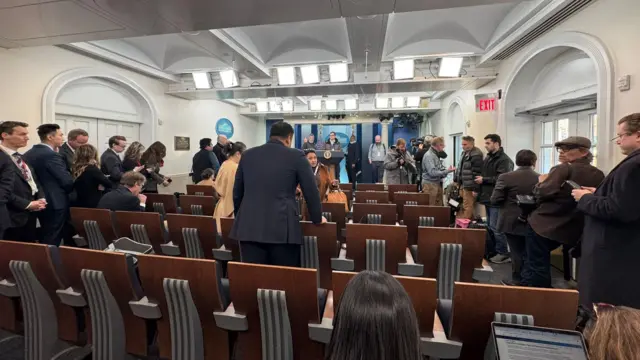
(433, 172)
(512, 218)
(399, 164)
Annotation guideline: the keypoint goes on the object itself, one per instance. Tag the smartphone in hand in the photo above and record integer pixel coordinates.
(573, 184)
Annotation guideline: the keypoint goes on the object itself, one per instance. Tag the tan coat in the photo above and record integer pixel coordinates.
(224, 188)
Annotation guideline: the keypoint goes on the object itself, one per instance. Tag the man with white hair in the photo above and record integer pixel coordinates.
(219, 149)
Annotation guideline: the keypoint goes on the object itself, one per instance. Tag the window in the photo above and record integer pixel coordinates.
(593, 136)
(546, 147)
(457, 148)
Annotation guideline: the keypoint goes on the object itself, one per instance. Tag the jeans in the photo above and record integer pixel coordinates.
(377, 169)
(537, 262)
(496, 241)
(518, 253)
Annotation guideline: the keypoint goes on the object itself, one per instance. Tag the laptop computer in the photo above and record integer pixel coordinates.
(521, 342)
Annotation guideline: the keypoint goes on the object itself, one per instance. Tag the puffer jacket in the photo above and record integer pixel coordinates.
(470, 166)
(494, 165)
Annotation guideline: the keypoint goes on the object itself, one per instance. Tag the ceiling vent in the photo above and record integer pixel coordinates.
(544, 27)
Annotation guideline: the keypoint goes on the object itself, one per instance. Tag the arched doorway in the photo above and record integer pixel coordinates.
(103, 103)
(538, 107)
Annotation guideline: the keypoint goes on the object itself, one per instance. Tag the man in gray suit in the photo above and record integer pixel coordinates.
(511, 221)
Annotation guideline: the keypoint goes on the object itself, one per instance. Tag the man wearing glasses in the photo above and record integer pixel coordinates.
(610, 265)
(110, 162)
(556, 221)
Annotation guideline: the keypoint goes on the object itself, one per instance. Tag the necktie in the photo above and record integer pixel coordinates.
(21, 164)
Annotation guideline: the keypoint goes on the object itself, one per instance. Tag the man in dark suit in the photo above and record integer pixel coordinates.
(57, 183)
(511, 220)
(110, 162)
(25, 197)
(609, 265)
(354, 155)
(204, 159)
(127, 197)
(75, 139)
(6, 185)
(267, 221)
(219, 149)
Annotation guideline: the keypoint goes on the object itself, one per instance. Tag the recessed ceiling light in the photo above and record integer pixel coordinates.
(397, 102)
(202, 80)
(413, 101)
(310, 74)
(287, 105)
(287, 75)
(331, 104)
(262, 106)
(382, 103)
(339, 72)
(403, 69)
(315, 104)
(350, 104)
(229, 78)
(450, 66)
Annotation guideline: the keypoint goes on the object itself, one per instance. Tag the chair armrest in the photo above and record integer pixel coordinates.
(145, 309)
(415, 270)
(222, 254)
(170, 249)
(9, 289)
(71, 297)
(231, 321)
(483, 274)
(439, 346)
(322, 332)
(341, 263)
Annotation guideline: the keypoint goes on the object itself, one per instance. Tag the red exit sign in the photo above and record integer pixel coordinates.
(487, 104)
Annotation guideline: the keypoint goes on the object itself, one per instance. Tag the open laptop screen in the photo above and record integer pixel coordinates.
(519, 342)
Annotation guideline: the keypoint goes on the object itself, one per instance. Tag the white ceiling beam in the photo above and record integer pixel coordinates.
(122, 61)
(227, 39)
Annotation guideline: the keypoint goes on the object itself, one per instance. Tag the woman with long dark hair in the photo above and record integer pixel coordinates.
(226, 179)
(132, 156)
(374, 320)
(152, 160)
(90, 183)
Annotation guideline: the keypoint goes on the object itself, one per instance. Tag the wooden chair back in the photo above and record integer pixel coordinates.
(167, 200)
(40, 259)
(411, 215)
(346, 186)
(328, 247)
(208, 204)
(400, 199)
(116, 273)
(203, 285)
(226, 224)
(395, 244)
(474, 306)
(301, 287)
(382, 197)
(349, 195)
(422, 291)
(370, 187)
(408, 188)
(388, 212)
(151, 221)
(338, 215)
(472, 241)
(207, 231)
(102, 216)
(200, 190)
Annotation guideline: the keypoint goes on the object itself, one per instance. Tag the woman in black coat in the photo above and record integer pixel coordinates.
(90, 183)
(610, 263)
(152, 160)
(132, 156)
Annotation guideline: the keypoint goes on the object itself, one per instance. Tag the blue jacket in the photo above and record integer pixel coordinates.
(51, 170)
(264, 195)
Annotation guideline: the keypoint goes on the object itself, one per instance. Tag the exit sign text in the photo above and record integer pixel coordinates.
(487, 105)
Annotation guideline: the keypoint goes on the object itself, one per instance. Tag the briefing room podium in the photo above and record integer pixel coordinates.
(331, 159)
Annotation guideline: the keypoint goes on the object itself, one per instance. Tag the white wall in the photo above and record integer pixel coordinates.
(24, 74)
(615, 23)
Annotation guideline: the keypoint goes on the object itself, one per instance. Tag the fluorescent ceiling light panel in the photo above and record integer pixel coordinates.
(397, 102)
(287, 76)
(331, 104)
(315, 104)
(310, 74)
(350, 104)
(274, 106)
(229, 78)
(339, 72)
(450, 66)
(382, 103)
(413, 101)
(403, 69)
(262, 106)
(287, 105)
(202, 80)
